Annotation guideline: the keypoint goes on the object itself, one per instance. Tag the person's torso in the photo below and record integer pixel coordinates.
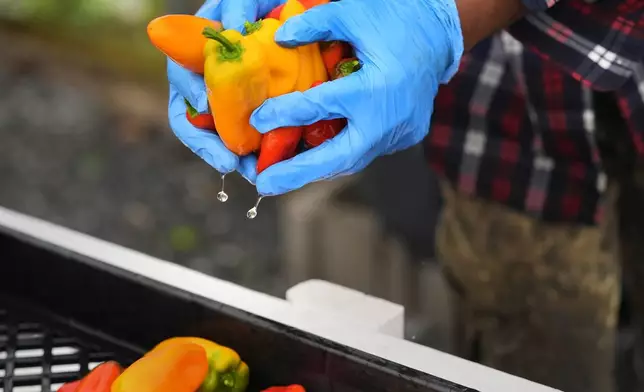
(516, 123)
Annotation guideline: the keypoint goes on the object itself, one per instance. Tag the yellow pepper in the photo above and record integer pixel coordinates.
(312, 67)
(283, 63)
(237, 80)
(242, 71)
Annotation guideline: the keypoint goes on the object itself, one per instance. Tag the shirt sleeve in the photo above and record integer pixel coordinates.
(596, 43)
(538, 5)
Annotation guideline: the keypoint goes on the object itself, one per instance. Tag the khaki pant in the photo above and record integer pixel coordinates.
(541, 300)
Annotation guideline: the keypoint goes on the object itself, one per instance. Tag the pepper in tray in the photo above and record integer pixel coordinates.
(290, 388)
(176, 367)
(100, 379)
(226, 371)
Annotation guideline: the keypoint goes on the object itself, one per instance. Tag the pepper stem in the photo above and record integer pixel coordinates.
(229, 50)
(252, 27)
(191, 110)
(348, 67)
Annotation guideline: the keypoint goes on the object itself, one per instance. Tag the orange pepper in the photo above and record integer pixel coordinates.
(180, 38)
(226, 371)
(312, 67)
(174, 367)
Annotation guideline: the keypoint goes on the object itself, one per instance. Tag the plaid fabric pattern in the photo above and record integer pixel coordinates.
(516, 123)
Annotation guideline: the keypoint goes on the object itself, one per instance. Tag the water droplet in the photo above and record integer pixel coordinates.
(252, 213)
(222, 196)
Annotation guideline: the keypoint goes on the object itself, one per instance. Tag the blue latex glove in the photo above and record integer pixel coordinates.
(183, 83)
(406, 47)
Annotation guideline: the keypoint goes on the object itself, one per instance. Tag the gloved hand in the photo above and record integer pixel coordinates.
(183, 83)
(406, 47)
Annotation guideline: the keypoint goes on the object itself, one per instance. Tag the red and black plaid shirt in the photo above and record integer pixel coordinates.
(516, 124)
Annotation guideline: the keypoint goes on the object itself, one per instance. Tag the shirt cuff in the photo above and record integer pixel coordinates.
(538, 5)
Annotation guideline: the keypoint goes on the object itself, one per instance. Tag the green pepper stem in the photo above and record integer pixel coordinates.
(211, 33)
(348, 67)
(252, 27)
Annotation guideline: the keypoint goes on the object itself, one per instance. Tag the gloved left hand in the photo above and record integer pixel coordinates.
(183, 83)
(406, 47)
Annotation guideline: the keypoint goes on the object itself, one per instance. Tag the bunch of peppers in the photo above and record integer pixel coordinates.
(180, 364)
(241, 71)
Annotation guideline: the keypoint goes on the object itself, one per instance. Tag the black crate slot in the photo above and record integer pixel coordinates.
(35, 358)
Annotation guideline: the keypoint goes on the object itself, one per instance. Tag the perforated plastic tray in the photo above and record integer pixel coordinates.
(35, 357)
(61, 313)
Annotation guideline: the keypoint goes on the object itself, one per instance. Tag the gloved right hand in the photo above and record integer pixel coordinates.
(407, 49)
(186, 84)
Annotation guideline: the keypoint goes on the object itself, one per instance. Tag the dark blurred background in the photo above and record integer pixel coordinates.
(85, 144)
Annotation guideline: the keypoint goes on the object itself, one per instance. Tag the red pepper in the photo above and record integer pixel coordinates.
(69, 387)
(323, 130)
(290, 388)
(278, 145)
(202, 121)
(101, 378)
(275, 12)
(332, 53)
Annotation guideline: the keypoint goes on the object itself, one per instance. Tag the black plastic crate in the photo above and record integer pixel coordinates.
(62, 313)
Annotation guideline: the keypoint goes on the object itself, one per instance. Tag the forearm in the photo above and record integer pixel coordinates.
(482, 18)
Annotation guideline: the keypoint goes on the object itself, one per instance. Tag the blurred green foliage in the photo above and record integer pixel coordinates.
(108, 32)
(82, 13)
